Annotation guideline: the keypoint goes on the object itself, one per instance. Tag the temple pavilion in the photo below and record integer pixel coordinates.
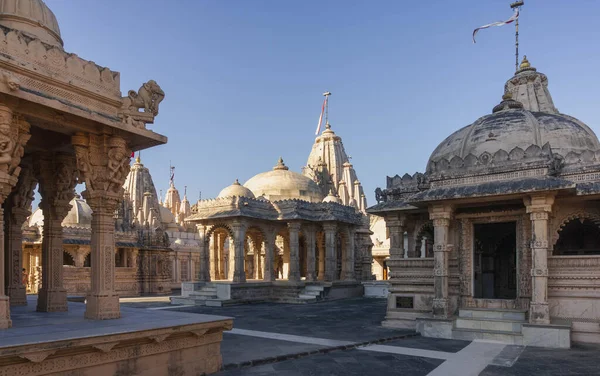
(511, 204)
(292, 237)
(64, 121)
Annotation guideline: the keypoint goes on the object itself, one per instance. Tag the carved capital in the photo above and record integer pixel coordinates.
(441, 222)
(57, 174)
(23, 195)
(329, 227)
(539, 244)
(294, 226)
(102, 162)
(542, 215)
(441, 212)
(14, 134)
(440, 272)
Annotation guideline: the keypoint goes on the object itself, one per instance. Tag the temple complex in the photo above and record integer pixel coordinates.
(154, 250)
(511, 205)
(63, 122)
(292, 237)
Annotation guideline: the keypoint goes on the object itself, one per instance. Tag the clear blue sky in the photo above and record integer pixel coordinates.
(243, 79)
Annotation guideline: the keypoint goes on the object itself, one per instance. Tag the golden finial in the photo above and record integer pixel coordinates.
(137, 159)
(524, 63)
(507, 96)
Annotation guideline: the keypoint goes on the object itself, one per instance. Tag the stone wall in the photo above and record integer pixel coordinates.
(77, 281)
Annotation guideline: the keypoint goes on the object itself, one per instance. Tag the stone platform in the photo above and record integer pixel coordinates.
(222, 293)
(141, 342)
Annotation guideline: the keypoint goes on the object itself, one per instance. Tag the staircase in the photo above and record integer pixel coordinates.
(311, 293)
(206, 296)
(502, 325)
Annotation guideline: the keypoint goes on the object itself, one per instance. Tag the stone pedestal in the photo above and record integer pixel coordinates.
(441, 216)
(539, 208)
(294, 271)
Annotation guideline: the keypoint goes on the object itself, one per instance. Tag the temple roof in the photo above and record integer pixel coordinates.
(31, 17)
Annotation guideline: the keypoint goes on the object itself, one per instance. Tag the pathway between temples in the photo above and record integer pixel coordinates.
(471, 360)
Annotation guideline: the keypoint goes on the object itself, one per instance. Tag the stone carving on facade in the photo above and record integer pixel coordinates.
(11, 81)
(148, 99)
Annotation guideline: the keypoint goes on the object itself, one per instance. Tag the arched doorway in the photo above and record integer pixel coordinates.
(580, 236)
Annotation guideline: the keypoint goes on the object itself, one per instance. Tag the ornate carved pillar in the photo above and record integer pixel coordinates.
(57, 174)
(205, 262)
(310, 237)
(294, 230)
(348, 264)
(321, 250)
(103, 164)
(239, 239)
(396, 226)
(330, 263)
(212, 250)
(18, 205)
(269, 270)
(539, 208)
(14, 134)
(133, 256)
(221, 240)
(441, 216)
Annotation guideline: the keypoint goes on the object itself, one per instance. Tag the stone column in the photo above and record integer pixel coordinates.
(222, 238)
(57, 175)
(294, 230)
(257, 241)
(239, 239)
(330, 263)
(321, 250)
(14, 134)
(213, 261)
(103, 163)
(133, 257)
(269, 269)
(204, 272)
(539, 208)
(348, 262)
(441, 216)
(310, 237)
(18, 205)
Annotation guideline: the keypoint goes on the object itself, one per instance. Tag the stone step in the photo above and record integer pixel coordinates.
(203, 293)
(306, 296)
(489, 335)
(488, 313)
(316, 288)
(182, 301)
(202, 297)
(489, 324)
(406, 314)
(209, 288)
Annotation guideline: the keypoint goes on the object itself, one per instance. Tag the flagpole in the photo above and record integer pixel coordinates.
(517, 4)
(327, 94)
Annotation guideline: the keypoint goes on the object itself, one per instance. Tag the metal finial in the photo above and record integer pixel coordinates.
(517, 5)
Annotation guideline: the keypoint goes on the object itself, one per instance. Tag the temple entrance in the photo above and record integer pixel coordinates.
(494, 261)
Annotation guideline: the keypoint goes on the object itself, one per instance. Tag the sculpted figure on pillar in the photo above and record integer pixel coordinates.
(14, 134)
(18, 209)
(103, 165)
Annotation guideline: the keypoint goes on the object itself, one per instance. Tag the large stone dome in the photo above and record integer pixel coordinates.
(80, 215)
(31, 17)
(282, 184)
(528, 119)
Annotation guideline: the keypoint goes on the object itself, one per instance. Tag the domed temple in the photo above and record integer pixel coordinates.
(63, 122)
(148, 237)
(510, 203)
(308, 230)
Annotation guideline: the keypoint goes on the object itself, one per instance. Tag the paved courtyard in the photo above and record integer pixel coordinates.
(345, 338)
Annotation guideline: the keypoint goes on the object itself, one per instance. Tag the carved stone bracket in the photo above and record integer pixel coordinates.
(147, 98)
